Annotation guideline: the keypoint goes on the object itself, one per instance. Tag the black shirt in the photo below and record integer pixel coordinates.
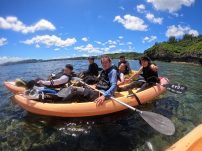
(93, 69)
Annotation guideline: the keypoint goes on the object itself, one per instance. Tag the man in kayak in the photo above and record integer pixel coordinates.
(107, 82)
(92, 68)
(59, 80)
(148, 70)
(90, 76)
(54, 81)
(123, 60)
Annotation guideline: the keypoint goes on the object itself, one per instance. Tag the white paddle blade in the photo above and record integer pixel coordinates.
(158, 122)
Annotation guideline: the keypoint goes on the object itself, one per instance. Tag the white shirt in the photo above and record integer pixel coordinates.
(62, 80)
(122, 77)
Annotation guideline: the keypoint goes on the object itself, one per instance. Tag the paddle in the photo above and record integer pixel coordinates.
(174, 88)
(156, 121)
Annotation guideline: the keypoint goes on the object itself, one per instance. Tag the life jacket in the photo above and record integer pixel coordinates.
(126, 69)
(57, 76)
(149, 75)
(103, 80)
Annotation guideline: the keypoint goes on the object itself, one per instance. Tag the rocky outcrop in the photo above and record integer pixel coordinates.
(184, 50)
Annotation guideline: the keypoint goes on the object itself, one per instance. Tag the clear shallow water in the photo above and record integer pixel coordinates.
(20, 130)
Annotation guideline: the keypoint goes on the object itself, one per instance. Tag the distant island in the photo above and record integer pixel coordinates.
(128, 55)
(188, 49)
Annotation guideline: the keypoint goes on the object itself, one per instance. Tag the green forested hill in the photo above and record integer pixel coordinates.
(187, 49)
(128, 55)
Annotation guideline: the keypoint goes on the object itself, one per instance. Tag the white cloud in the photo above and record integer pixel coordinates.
(178, 31)
(121, 44)
(170, 5)
(56, 49)
(129, 43)
(112, 46)
(140, 8)
(111, 42)
(122, 50)
(120, 37)
(98, 42)
(37, 46)
(149, 39)
(85, 39)
(16, 25)
(131, 22)
(50, 41)
(88, 48)
(6, 59)
(152, 18)
(122, 8)
(3, 41)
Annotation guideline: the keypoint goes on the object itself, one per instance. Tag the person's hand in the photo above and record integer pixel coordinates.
(154, 68)
(100, 100)
(40, 82)
(127, 81)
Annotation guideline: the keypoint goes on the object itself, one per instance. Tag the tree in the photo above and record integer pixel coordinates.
(172, 39)
(188, 37)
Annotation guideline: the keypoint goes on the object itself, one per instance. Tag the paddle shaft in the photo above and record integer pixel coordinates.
(120, 102)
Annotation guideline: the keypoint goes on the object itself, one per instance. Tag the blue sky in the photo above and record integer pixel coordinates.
(45, 29)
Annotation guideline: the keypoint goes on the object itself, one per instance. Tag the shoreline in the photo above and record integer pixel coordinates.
(189, 63)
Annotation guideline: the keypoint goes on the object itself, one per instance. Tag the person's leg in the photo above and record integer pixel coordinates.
(20, 83)
(90, 94)
(134, 84)
(90, 80)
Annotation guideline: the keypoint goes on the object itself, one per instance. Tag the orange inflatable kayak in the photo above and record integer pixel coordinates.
(13, 88)
(87, 108)
(190, 142)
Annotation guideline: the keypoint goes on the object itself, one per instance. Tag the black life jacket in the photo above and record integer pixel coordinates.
(126, 69)
(149, 75)
(103, 80)
(57, 76)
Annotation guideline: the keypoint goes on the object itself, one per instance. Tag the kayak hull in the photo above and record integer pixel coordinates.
(13, 88)
(190, 142)
(88, 108)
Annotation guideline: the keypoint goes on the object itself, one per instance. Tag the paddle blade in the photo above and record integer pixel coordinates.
(176, 88)
(158, 122)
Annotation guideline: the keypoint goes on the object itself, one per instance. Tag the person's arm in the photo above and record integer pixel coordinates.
(122, 79)
(89, 69)
(113, 80)
(63, 79)
(128, 65)
(154, 67)
(136, 74)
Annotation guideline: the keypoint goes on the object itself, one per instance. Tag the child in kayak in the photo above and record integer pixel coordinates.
(122, 60)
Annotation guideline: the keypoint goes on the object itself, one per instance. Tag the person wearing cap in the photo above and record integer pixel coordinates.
(148, 70)
(59, 80)
(92, 68)
(123, 60)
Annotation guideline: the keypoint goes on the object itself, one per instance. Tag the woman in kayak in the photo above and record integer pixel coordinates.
(148, 70)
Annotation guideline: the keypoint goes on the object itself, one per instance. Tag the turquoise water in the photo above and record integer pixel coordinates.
(20, 130)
